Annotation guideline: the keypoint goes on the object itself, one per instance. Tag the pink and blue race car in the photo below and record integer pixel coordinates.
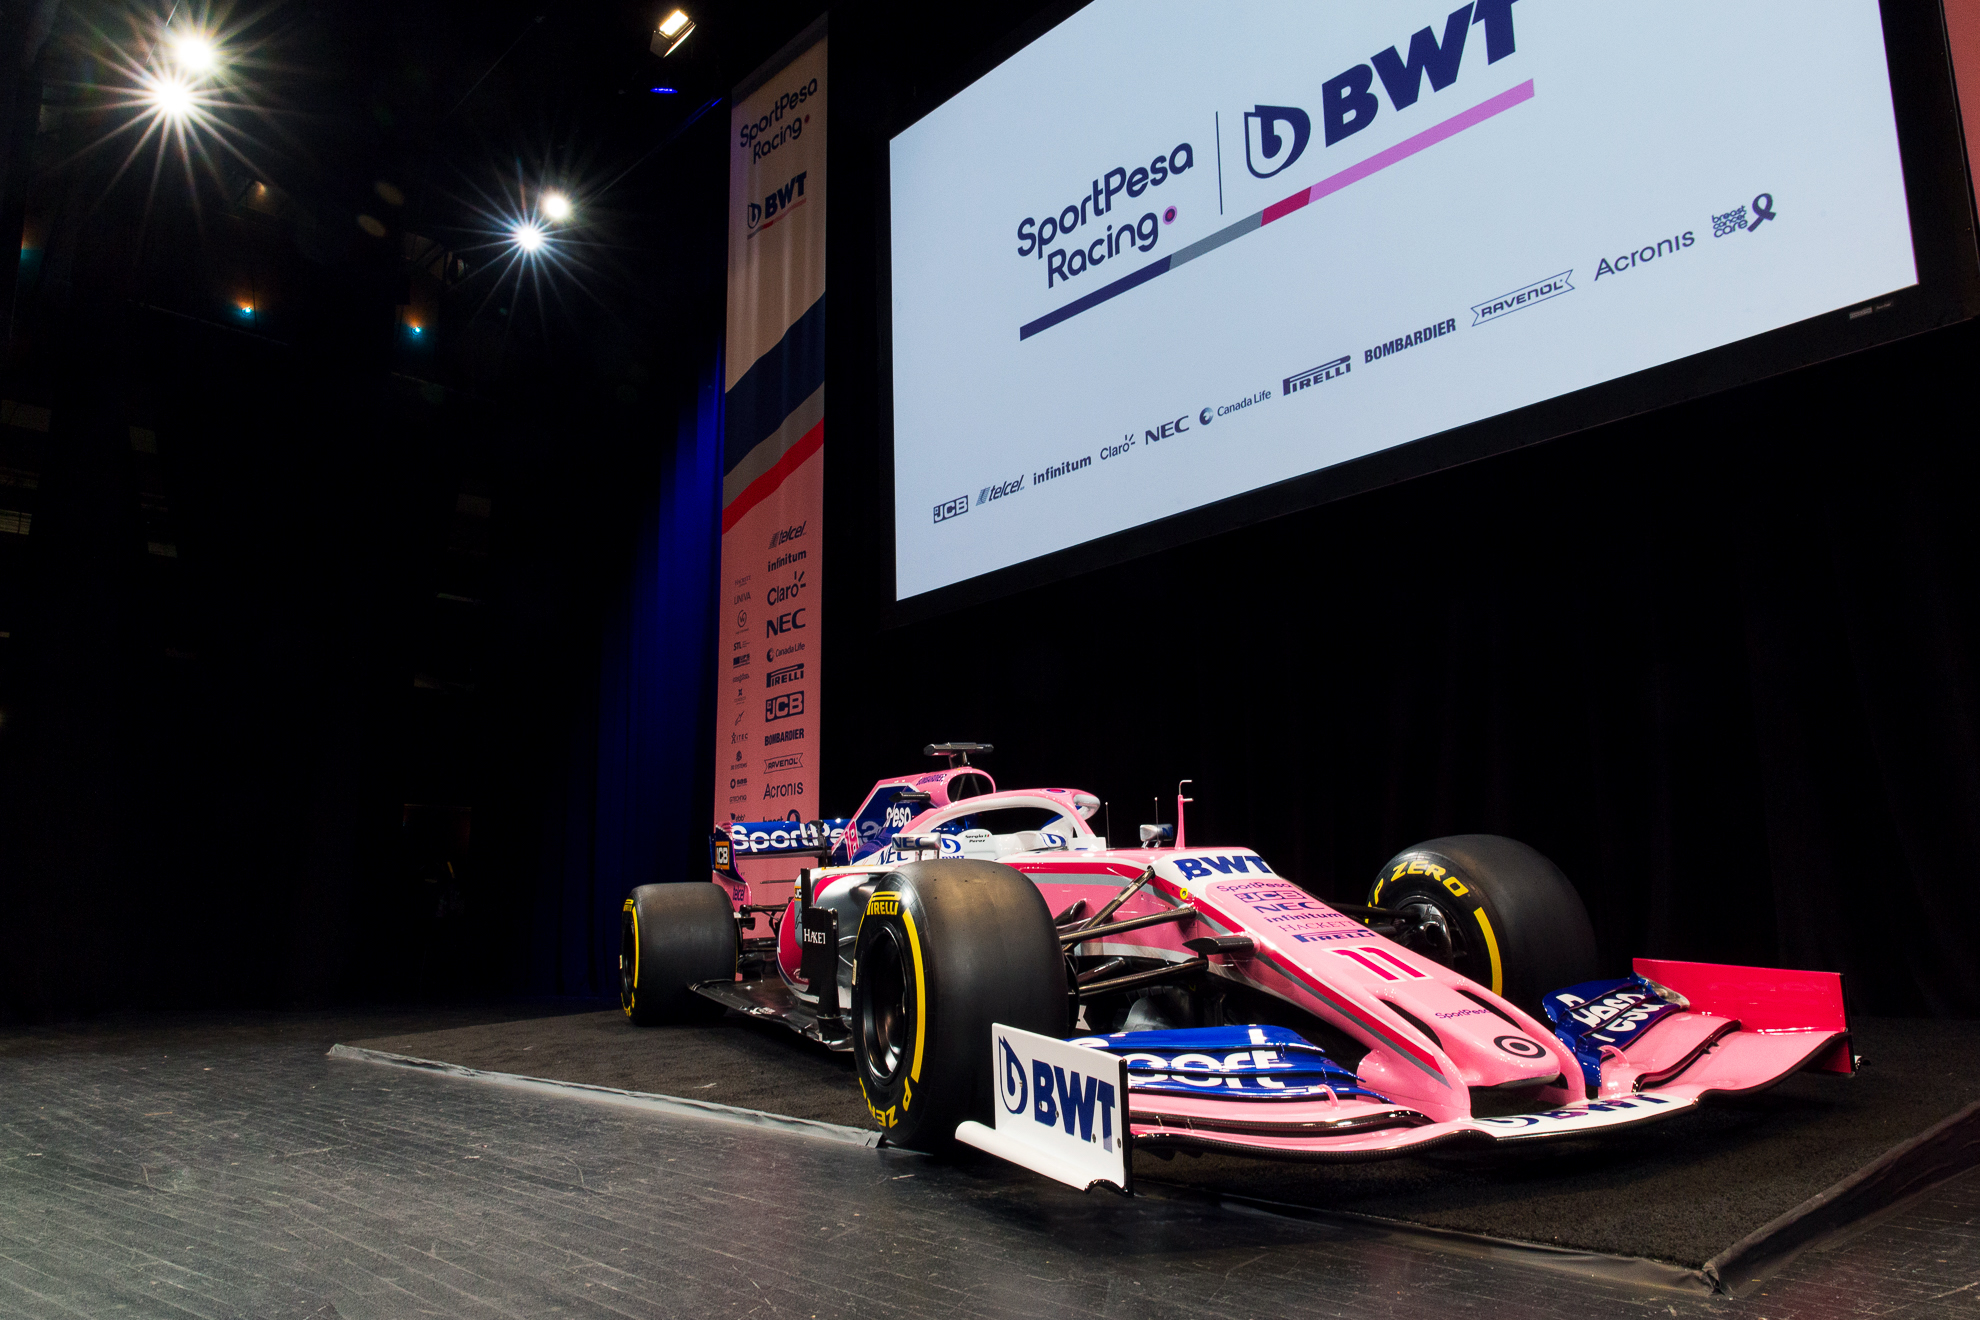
(1458, 1006)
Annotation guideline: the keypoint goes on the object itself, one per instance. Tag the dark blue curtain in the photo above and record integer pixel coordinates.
(638, 812)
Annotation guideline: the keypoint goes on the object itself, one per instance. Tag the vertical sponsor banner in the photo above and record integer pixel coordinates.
(766, 741)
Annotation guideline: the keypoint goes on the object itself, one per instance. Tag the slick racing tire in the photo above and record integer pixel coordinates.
(1516, 925)
(945, 949)
(672, 936)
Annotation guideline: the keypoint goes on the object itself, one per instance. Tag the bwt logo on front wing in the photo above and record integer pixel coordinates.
(1056, 1097)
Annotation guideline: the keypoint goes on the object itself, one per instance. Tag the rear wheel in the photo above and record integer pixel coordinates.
(1513, 922)
(945, 949)
(672, 936)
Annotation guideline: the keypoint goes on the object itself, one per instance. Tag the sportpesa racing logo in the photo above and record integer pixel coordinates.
(1037, 235)
(780, 124)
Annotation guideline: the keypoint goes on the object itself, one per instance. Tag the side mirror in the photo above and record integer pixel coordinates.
(909, 795)
(1154, 836)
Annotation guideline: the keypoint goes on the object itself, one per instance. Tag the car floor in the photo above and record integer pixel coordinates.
(1679, 1191)
(223, 1166)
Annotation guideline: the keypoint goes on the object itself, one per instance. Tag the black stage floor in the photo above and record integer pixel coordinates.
(224, 1167)
(1682, 1191)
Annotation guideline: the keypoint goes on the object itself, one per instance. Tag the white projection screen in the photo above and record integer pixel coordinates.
(1167, 255)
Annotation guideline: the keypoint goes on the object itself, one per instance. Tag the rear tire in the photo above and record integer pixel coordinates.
(945, 949)
(671, 937)
(1517, 927)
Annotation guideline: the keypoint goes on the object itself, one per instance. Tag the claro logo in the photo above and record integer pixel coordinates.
(1275, 136)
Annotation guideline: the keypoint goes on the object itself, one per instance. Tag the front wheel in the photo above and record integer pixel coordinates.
(946, 948)
(1511, 920)
(671, 937)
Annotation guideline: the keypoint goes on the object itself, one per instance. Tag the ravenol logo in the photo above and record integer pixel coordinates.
(1520, 299)
(1056, 1097)
(954, 508)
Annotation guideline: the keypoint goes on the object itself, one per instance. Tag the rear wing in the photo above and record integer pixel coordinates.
(747, 840)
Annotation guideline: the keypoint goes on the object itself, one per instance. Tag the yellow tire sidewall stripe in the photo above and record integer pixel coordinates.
(1491, 948)
(920, 992)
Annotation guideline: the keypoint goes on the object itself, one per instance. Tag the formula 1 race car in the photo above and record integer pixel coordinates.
(1251, 1015)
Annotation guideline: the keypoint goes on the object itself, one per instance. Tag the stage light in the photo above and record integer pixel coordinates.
(528, 236)
(247, 309)
(663, 91)
(169, 98)
(195, 53)
(674, 29)
(556, 206)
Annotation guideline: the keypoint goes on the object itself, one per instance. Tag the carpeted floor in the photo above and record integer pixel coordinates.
(1681, 1191)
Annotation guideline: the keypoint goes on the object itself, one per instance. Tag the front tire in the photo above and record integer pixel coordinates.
(671, 937)
(945, 949)
(1516, 925)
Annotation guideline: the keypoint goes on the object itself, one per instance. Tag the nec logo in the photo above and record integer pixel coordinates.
(788, 706)
(784, 623)
(954, 508)
(1275, 136)
(777, 201)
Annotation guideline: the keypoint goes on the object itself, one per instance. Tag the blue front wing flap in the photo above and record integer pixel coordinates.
(1595, 1014)
(1230, 1063)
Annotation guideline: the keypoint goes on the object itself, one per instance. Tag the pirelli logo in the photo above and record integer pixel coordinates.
(883, 905)
(1312, 376)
